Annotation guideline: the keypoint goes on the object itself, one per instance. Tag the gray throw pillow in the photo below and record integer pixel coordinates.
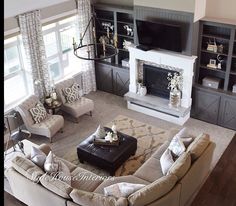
(38, 112)
(38, 157)
(166, 161)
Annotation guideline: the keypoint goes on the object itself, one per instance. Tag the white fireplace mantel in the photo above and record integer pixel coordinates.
(167, 58)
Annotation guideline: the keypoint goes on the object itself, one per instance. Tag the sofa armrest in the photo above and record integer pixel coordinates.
(45, 148)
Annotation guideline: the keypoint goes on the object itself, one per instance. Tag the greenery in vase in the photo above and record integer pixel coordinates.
(175, 81)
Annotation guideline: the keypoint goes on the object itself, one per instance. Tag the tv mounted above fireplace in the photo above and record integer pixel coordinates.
(158, 35)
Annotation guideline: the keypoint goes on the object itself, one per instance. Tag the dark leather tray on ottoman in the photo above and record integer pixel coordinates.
(109, 158)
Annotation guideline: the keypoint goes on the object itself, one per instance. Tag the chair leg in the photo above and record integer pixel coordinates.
(91, 113)
(61, 130)
(77, 120)
(50, 139)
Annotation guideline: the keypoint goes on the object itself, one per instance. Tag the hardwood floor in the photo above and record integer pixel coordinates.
(220, 187)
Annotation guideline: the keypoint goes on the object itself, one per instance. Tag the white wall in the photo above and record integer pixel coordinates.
(225, 9)
(200, 9)
(179, 5)
(15, 7)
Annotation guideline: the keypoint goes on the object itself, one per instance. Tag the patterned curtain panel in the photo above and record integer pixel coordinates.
(88, 67)
(31, 30)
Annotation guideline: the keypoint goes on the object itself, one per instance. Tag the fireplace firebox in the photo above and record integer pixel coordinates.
(155, 79)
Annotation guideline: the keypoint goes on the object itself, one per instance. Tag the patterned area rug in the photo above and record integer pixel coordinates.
(149, 138)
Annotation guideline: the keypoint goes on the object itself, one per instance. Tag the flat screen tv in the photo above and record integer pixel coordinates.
(157, 35)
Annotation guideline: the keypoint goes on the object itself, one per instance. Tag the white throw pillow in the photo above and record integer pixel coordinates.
(38, 157)
(57, 168)
(176, 145)
(166, 161)
(51, 165)
(122, 189)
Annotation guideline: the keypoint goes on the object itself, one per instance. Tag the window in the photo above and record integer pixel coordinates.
(16, 77)
(58, 38)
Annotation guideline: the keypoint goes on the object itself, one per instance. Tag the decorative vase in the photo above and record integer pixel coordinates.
(175, 98)
(48, 101)
(143, 91)
(139, 85)
(113, 128)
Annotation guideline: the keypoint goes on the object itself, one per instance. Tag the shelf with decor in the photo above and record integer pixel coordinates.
(215, 77)
(113, 74)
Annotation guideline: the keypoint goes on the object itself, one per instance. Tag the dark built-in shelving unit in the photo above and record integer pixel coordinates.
(217, 106)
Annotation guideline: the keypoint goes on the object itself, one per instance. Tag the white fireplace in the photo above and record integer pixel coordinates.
(157, 106)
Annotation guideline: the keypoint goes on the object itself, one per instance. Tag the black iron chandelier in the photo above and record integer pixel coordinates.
(104, 49)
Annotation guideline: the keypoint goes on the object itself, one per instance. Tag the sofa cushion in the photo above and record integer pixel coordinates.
(85, 180)
(181, 165)
(37, 156)
(157, 154)
(94, 199)
(150, 170)
(122, 189)
(55, 185)
(114, 180)
(78, 108)
(199, 144)
(27, 168)
(70, 165)
(153, 191)
(166, 161)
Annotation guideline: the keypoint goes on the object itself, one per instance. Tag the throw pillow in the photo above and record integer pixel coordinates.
(166, 161)
(72, 93)
(187, 140)
(38, 113)
(57, 168)
(100, 132)
(38, 157)
(122, 189)
(50, 164)
(177, 146)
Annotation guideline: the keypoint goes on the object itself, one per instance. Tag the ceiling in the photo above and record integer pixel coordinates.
(13, 7)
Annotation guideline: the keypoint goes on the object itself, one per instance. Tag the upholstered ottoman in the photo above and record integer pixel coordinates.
(109, 158)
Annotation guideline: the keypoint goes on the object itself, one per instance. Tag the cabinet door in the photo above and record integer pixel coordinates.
(206, 106)
(228, 112)
(120, 81)
(104, 78)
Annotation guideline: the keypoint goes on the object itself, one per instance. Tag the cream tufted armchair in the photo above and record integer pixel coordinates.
(77, 108)
(48, 127)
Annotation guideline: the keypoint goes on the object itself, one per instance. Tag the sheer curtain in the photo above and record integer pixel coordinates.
(87, 66)
(32, 37)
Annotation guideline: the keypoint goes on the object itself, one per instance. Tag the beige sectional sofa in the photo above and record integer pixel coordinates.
(174, 189)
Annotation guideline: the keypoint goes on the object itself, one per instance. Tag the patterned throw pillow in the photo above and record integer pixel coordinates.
(72, 93)
(38, 113)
